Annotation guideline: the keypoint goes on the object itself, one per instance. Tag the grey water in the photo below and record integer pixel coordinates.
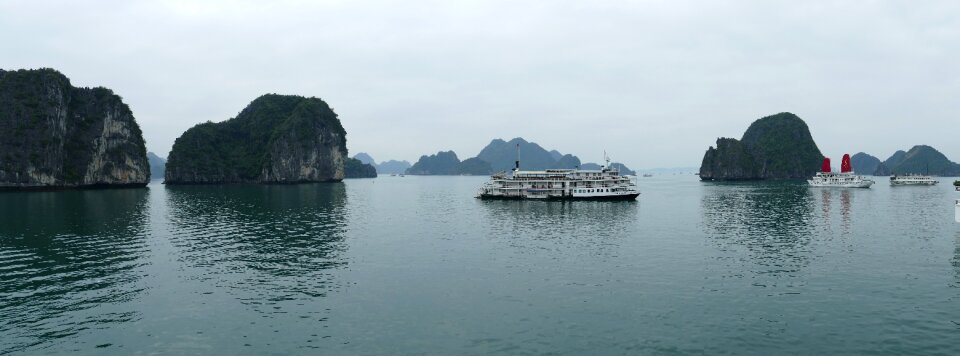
(416, 265)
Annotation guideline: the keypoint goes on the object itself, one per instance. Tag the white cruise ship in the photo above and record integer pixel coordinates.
(560, 184)
(956, 186)
(845, 179)
(912, 179)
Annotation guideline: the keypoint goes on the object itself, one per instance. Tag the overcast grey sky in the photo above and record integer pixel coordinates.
(651, 82)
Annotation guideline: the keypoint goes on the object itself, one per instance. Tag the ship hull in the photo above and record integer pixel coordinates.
(619, 197)
(865, 184)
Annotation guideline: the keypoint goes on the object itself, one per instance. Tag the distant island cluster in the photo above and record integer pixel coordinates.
(56, 135)
(497, 156)
(780, 147)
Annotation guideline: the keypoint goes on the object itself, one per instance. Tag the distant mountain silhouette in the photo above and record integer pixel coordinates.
(365, 158)
(895, 159)
(499, 156)
(157, 165)
(447, 163)
(556, 155)
(474, 167)
(386, 167)
(619, 166)
(442, 163)
(502, 155)
(920, 159)
(393, 167)
(864, 164)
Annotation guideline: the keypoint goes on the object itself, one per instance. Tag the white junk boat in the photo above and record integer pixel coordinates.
(560, 184)
(845, 179)
(912, 179)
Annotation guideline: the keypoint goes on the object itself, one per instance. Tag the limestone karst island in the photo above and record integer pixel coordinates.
(54, 135)
(275, 139)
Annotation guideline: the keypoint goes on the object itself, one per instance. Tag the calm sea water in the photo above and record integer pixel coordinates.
(417, 265)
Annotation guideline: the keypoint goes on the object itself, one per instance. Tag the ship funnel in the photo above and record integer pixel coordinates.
(518, 158)
(825, 167)
(845, 164)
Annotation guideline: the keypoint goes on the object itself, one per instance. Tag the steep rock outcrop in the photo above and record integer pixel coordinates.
(774, 147)
(275, 139)
(54, 135)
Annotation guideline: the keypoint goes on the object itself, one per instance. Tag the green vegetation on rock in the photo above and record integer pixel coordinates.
(55, 135)
(275, 139)
(774, 147)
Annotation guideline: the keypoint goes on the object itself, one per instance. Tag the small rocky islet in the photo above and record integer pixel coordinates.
(54, 135)
(774, 147)
(275, 139)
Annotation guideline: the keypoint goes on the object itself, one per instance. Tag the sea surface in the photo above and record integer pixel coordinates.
(416, 265)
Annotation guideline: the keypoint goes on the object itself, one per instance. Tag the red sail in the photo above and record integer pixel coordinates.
(845, 164)
(825, 168)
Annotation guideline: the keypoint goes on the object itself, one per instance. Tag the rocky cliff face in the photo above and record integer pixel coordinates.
(53, 135)
(774, 147)
(275, 139)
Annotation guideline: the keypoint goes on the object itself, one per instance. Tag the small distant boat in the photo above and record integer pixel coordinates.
(647, 175)
(393, 174)
(845, 179)
(912, 179)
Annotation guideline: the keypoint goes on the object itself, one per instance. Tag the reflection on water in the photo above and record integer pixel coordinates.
(67, 261)
(264, 244)
(597, 227)
(826, 201)
(552, 220)
(772, 221)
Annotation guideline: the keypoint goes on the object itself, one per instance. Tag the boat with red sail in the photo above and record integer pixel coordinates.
(846, 178)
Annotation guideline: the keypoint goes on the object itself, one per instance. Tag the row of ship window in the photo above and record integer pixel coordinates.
(591, 190)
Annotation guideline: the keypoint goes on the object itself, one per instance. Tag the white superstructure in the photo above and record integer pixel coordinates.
(912, 179)
(845, 179)
(560, 184)
(839, 180)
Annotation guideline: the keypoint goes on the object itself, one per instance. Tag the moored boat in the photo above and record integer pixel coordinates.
(845, 179)
(912, 179)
